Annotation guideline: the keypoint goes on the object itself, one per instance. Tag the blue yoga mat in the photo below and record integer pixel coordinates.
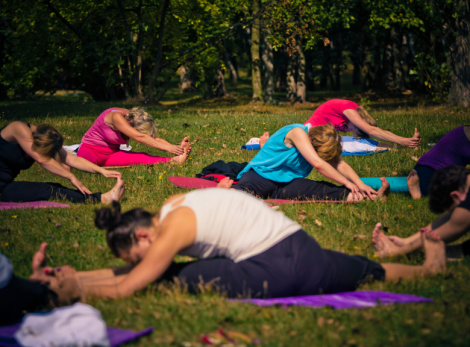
(397, 184)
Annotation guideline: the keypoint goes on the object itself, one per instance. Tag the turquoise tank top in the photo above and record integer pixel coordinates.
(277, 162)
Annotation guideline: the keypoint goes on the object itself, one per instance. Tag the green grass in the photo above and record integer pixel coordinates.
(179, 317)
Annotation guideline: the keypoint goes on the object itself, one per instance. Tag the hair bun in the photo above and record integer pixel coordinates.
(105, 217)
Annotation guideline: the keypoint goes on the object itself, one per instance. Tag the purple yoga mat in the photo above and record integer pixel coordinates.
(358, 299)
(116, 336)
(32, 204)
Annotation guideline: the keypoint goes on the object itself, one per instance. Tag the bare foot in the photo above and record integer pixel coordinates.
(382, 244)
(435, 252)
(413, 184)
(115, 193)
(38, 264)
(263, 139)
(225, 183)
(182, 158)
(384, 190)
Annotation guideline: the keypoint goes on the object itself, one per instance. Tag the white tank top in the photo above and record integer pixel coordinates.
(232, 224)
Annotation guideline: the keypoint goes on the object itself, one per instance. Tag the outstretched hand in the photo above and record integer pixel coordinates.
(354, 190)
(366, 190)
(79, 185)
(413, 142)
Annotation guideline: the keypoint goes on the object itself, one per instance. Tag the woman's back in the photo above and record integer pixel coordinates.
(12, 160)
(232, 224)
(331, 112)
(278, 162)
(100, 134)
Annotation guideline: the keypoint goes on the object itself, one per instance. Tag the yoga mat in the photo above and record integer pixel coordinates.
(284, 202)
(397, 184)
(31, 204)
(191, 182)
(116, 336)
(358, 299)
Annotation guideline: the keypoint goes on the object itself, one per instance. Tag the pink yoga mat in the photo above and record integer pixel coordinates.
(199, 183)
(31, 204)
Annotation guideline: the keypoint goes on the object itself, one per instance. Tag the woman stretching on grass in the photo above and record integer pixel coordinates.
(243, 246)
(346, 116)
(114, 127)
(22, 144)
(279, 168)
(452, 149)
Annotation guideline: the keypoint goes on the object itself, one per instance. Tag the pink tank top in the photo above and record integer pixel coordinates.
(331, 112)
(102, 135)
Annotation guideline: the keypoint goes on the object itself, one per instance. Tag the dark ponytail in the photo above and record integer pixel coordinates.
(120, 228)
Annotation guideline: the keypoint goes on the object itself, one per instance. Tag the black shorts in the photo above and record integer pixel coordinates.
(300, 188)
(425, 174)
(294, 266)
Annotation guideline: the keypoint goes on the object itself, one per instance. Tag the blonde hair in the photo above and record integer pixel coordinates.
(368, 119)
(327, 142)
(47, 141)
(142, 121)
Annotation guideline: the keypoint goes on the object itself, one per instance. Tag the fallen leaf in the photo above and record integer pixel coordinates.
(243, 130)
(224, 145)
(317, 222)
(301, 215)
(205, 125)
(394, 173)
(414, 158)
(329, 212)
(321, 321)
(355, 237)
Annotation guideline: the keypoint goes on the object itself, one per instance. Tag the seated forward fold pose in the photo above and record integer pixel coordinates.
(114, 127)
(346, 116)
(243, 246)
(452, 149)
(449, 192)
(21, 144)
(279, 168)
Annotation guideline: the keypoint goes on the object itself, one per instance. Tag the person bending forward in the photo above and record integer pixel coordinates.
(114, 127)
(244, 249)
(279, 169)
(22, 144)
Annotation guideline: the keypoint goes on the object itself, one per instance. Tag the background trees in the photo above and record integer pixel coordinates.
(117, 49)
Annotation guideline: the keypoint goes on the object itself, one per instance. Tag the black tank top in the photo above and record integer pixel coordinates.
(12, 160)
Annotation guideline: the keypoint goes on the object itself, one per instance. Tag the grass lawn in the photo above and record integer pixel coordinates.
(218, 129)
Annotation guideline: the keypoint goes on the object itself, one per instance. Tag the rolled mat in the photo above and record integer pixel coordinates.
(397, 184)
(358, 299)
(31, 204)
(116, 336)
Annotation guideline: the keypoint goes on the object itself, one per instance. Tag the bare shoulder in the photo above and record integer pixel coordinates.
(17, 129)
(180, 225)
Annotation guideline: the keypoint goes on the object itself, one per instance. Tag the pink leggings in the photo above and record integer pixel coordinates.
(104, 156)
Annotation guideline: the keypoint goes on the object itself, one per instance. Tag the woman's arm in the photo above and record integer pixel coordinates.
(177, 232)
(302, 142)
(348, 172)
(84, 165)
(121, 124)
(23, 137)
(380, 134)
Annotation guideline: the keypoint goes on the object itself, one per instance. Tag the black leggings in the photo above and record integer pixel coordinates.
(21, 191)
(21, 296)
(295, 266)
(300, 188)
(425, 174)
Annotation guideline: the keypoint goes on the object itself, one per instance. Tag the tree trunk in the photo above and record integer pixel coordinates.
(457, 37)
(255, 55)
(232, 69)
(138, 54)
(219, 84)
(387, 63)
(187, 84)
(290, 77)
(159, 59)
(377, 65)
(398, 76)
(267, 56)
(301, 87)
